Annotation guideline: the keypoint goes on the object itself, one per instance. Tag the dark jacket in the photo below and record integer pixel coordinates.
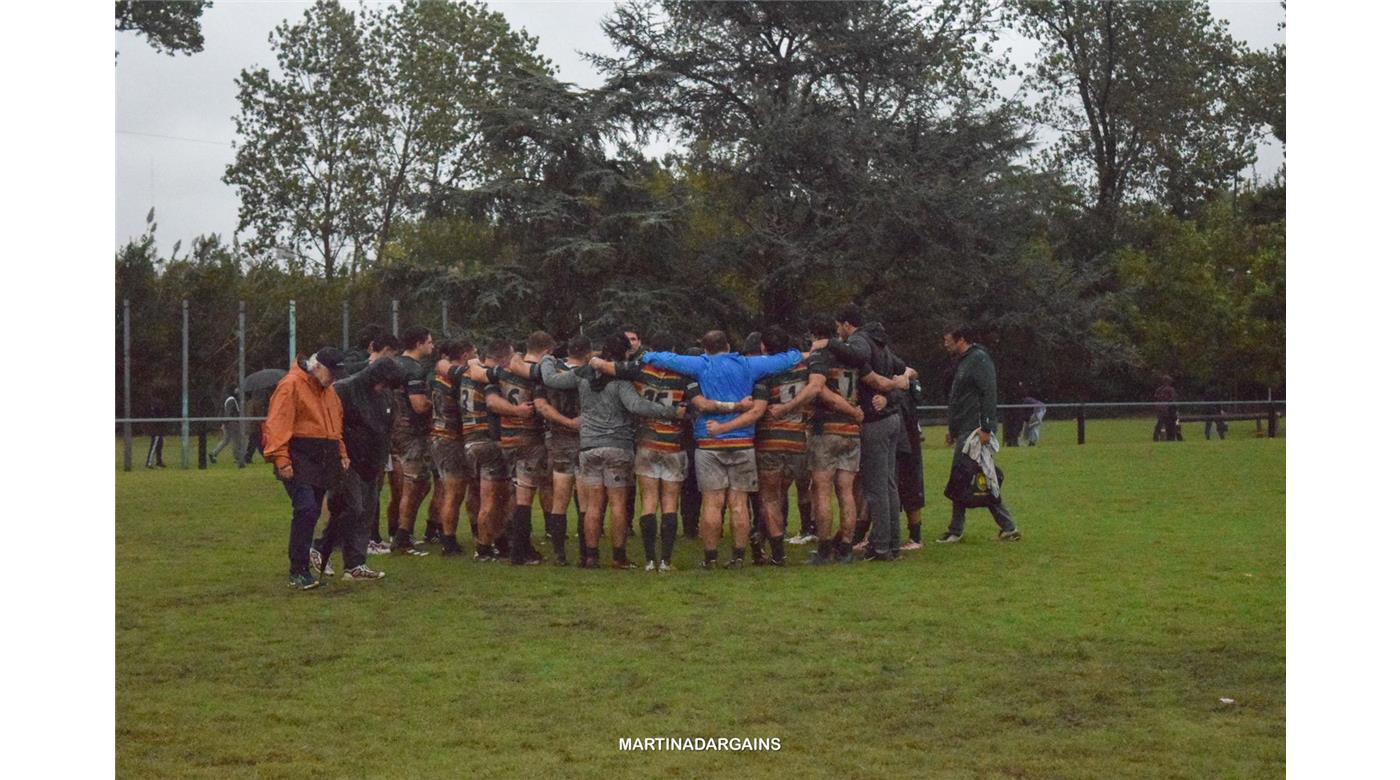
(369, 416)
(972, 403)
(868, 346)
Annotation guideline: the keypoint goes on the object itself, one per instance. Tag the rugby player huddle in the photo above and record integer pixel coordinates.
(496, 430)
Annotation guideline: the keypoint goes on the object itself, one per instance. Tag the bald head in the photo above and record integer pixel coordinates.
(715, 342)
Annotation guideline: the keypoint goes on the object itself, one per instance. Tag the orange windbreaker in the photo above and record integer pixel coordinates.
(300, 409)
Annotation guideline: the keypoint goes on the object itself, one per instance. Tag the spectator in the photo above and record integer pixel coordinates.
(232, 430)
(1035, 417)
(304, 442)
(1218, 421)
(1165, 398)
(155, 456)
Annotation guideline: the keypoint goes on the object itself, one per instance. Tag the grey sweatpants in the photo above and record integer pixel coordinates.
(1000, 513)
(879, 479)
(353, 503)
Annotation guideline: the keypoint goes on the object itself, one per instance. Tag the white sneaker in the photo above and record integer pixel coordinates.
(802, 539)
(378, 548)
(363, 572)
(316, 563)
(665, 566)
(651, 566)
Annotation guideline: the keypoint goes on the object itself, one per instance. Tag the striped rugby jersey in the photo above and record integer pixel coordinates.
(517, 431)
(471, 405)
(844, 382)
(790, 433)
(447, 415)
(666, 388)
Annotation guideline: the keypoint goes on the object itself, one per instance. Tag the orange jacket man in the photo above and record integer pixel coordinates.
(302, 437)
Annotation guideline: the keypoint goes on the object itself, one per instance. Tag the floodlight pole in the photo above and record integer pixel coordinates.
(291, 333)
(394, 316)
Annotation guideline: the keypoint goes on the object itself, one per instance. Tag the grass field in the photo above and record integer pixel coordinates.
(1150, 585)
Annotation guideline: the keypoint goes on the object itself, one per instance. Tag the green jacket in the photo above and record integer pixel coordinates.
(972, 404)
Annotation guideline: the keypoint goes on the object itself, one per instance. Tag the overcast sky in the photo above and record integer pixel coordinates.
(174, 124)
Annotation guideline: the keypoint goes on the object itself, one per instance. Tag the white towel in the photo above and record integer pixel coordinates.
(982, 453)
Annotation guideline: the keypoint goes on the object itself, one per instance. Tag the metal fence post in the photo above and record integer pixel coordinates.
(184, 384)
(345, 325)
(291, 333)
(394, 316)
(242, 373)
(126, 384)
(1273, 420)
(1081, 423)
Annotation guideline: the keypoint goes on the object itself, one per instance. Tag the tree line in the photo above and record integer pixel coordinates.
(1096, 223)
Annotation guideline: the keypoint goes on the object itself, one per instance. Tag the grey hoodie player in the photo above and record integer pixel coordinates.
(606, 444)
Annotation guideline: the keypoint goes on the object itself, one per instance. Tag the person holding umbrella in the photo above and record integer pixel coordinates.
(302, 437)
(258, 386)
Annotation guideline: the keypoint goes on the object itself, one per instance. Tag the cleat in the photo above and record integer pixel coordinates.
(623, 564)
(949, 538)
(363, 573)
(665, 566)
(411, 551)
(484, 558)
(911, 546)
(1009, 536)
(736, 563)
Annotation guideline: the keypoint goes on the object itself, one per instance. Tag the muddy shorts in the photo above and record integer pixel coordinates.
(483, 460)
(792, 465)
(605, 466)
(665, 466)
(448, 458)
(726, 469)
(528, 465)
(410, 454)
(829, 452)
(563, 453)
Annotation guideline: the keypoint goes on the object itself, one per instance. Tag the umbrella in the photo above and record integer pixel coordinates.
(265, 379)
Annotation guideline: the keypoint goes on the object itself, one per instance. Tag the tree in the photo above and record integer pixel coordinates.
(435, 67)
(1142, 96)
(169, 25)
(1204, 301)
(574, 229)
(1265, 89)
(303, 165)
(850, 138)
